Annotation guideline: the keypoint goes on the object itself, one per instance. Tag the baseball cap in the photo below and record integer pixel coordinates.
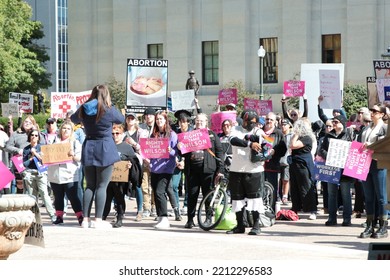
(51, 120)
(149, 111)
(286, 121)
(131, 114)
(231, 105)
(341, 119)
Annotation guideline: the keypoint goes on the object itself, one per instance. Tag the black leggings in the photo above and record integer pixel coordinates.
(116, 190)
(71, 191)
(97, 181)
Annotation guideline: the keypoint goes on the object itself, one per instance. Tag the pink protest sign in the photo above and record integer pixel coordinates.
(154, 147)
(294, 88)
(18, 163)
(262, 107)
(358, 161)
(227, 95)
(356, 124)
(219, 117)
(194, 140)
(6, 176)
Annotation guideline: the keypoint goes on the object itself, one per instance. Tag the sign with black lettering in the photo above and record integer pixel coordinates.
(379, 251)
(34, 235)
(120, 172)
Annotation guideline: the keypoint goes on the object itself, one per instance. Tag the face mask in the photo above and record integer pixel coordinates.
(249, 126)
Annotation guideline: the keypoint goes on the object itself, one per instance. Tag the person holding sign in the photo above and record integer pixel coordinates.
(161, 170)
(375, 190)
(97, 114)
(35, 180)
(201, 168)
(118, 190)
(340, 132)
(293, 114)
(64, 177)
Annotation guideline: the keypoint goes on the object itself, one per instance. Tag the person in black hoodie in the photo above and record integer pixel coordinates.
(339, 132)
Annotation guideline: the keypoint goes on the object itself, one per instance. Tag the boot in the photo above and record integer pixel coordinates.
(256, 224)
(118, 222)
(369, 230)
(59, 218)
(382, 231)
(177, 214)
(240, 228)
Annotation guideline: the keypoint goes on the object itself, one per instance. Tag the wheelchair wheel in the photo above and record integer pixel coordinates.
(207, 213)
(268, 195)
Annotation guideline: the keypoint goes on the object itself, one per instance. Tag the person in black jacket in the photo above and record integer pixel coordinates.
(339, 132)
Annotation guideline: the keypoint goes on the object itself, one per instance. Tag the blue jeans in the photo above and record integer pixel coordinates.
(139, 198)
(375, 192)
(345, 189)
(176, 177)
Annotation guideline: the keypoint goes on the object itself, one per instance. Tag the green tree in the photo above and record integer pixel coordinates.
(18, 64)
(118, 92)
(355, 97)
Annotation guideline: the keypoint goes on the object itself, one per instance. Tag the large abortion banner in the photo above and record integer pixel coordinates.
(63, 102)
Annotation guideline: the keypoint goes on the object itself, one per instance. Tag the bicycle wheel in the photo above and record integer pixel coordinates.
(207, 212)
(268, 195)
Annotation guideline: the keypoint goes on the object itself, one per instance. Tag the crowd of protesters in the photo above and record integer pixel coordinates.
(104, 137)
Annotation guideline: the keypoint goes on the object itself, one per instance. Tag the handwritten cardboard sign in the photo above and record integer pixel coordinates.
(217, 118)
(34, 235)
(56, 153)
(18, 163)
(227, 95)
(9, 109)
(120, 172)
(154, 147)
(194, 140)
(337, 153)
(294, 88)
(183, 99)
(330, 89)
(358, 161)
(6, 176)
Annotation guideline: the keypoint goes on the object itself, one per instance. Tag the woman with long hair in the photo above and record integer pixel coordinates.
(64, 177)
(302, 188)
(99, 151)
(161, 170)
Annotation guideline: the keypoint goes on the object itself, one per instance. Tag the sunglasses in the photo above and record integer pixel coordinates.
(373, 111)
(267, 119)
(360, 113)
(116, 133)
(293, 115)
(335, 122)
(34, 135)
(367, 121)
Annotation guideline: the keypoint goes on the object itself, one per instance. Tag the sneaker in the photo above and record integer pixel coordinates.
(86, 224)
(170, 213)
(284, 201)
(153, 213)
(146, 213)
(313, 216)
(183, 211)
(138, 218)
(189, 224)
(102, 225)
(53, 218)
(163, 223)
(356, 214)
(331, 223)
(59, 220)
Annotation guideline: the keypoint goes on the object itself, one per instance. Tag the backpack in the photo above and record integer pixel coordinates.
(267, 219)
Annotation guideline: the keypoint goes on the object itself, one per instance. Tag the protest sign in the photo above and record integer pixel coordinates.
(56, 153)
(337, 153)
(154, 147)
(294, 88)
(25, 101)
(63, 102)
(330, 89)
(358, 161)
(18, 163)
(41, 167)
(227, 96)
(120, 172)
(34, 235)
(183, 99)
(326, 173)
(194, 140)
(261, 107)
(217, 118)
(381, 84)
(10, 109)
(372, 92)
(6, 176)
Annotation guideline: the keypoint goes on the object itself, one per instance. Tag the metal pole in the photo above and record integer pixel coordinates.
(261, 79)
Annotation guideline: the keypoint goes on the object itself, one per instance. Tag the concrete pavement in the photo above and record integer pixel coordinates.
(286, 240)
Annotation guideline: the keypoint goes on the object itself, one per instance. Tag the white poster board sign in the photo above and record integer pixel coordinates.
(310, 74)
(9, 109)
(24, 100)
(330, 89)
(337, 153)
(183, 99)
(63, 102)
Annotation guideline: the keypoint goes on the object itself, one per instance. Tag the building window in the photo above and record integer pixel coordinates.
(331, 48)
(270, 67)
(210, 63)
(155, 51)
(62, 45)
